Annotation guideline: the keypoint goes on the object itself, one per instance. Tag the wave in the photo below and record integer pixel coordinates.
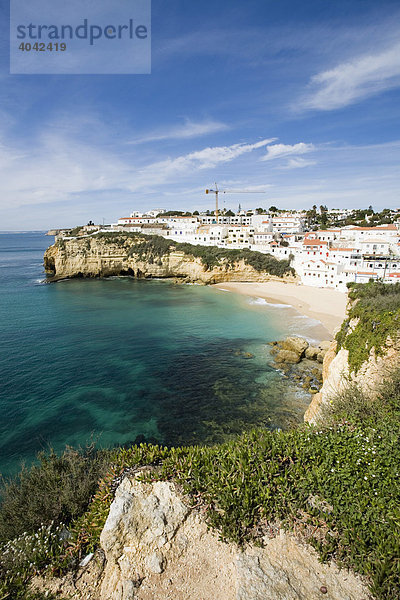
(310, 320)
(264, 302)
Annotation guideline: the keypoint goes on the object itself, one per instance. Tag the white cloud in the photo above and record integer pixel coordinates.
(60, 169)
(283, 150)
(298, 163)
(354, 80)
(207, 158)
(188, 130)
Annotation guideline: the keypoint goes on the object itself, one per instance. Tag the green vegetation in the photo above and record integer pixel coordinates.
(175, 213)
(57, 489)
(76, 231)
(212, 256)
(323, 218)
(153, 247)
(28, 555)
(338, 484)
(376, 310)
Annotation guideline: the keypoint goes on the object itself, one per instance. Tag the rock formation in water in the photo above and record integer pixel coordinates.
(300, 361)
(155, 257)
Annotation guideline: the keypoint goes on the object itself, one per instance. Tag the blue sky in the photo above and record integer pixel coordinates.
(298, 99)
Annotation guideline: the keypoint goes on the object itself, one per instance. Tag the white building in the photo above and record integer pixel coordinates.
(321, 273)
(360, 234)
(284, 223)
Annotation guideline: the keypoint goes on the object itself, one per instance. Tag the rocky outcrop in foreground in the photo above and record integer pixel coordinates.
(97, 256)
(155, 547)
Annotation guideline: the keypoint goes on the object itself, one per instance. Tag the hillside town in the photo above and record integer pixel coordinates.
(327, 248)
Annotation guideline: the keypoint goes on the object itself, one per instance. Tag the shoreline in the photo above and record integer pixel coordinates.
(323, 304)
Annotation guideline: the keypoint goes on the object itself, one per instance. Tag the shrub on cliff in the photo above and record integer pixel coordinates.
(376, 309)
(76, 231)
(57, 489)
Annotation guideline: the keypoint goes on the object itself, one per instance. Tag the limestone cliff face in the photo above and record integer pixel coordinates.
(155, 547)
(336, 374)
(96, 257)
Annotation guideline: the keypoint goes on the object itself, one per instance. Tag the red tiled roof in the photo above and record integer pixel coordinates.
(343, 249)
(314, 243)
(378, 228)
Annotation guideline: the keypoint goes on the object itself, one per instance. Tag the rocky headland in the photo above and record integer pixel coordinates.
(146, 257)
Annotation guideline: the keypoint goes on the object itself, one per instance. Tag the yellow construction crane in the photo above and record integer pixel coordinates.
(217, 191)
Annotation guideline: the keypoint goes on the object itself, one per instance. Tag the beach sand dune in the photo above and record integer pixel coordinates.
(326, 305)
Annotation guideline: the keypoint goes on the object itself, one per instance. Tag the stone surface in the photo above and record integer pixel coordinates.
(294, 344)
(287, 356)
(312, 352)
(325, 345)
(155, 548)
(287, 570)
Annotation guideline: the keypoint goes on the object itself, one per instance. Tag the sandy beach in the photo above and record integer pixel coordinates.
(326, 305)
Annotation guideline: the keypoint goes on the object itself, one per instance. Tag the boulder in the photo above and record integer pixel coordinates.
(312, 352)
(287, 356)
(295, 344)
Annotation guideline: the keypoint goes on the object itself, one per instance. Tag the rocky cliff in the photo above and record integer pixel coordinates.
(154, 546)
(375, 331)
(102, 256)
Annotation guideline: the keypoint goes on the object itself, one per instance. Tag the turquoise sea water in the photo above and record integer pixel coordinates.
(130, 360)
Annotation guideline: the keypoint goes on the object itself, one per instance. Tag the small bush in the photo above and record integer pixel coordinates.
(26, 556)
(355, 406)
(58, 489)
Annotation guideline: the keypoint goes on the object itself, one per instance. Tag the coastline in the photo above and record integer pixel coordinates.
(323, 304)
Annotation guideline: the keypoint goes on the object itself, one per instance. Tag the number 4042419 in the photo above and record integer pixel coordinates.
(42, 47)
